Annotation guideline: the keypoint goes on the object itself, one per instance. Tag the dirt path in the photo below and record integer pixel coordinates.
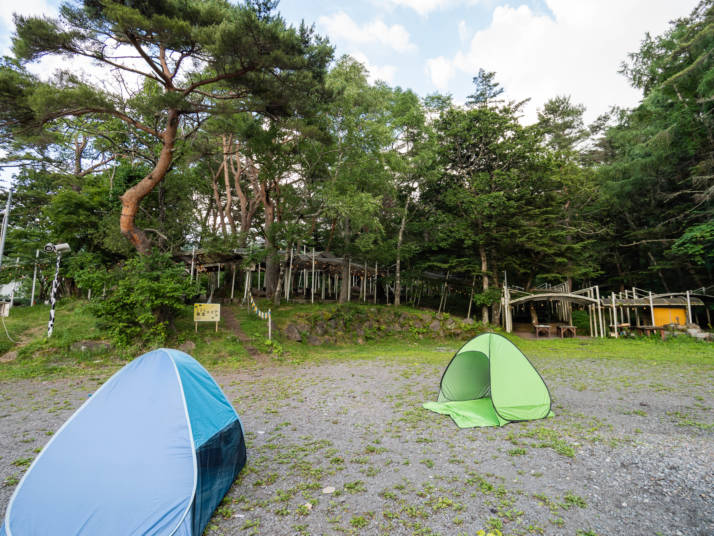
(26, 337)
(232, 323)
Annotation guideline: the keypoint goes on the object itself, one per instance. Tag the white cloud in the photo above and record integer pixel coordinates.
(576, 52)
(341, 26)
(440, 71)
(375, 72)
(464, 31)
(423, 7)
(27, 8)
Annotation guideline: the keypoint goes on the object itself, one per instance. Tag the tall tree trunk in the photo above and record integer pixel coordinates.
(659, 272)
(248, 205)
(484, 277)
(279, 284)
(227, 147)
(534, 314)
(217, 200)
(272, 261)
(132, 197)
(346, 283)
(496, 307)
(398, 273)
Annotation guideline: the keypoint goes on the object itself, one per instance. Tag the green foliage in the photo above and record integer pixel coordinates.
(658, 168)
(488, 297)
(87, 271)
(697, 244)
(581, 320)
(144, 295)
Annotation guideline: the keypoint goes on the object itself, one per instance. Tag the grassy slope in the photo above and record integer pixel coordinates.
(39, 357)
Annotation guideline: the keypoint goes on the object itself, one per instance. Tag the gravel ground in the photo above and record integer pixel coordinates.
(345, 447)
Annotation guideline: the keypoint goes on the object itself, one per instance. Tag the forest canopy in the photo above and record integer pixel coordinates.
(218, 126)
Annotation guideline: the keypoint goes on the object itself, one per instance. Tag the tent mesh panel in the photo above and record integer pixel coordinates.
(219, 460)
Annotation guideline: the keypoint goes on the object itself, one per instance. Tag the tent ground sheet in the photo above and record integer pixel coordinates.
(470, 413)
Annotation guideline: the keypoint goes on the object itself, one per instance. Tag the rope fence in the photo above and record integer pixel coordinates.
(265, 315)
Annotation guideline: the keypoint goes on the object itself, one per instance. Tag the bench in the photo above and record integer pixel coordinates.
(567, 331)
(541, 329)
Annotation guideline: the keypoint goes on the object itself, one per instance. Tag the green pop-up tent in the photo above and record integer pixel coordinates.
(489, 382)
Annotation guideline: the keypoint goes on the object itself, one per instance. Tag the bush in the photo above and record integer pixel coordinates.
(143, 298)
(581, 320)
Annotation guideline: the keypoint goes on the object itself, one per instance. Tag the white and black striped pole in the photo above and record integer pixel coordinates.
(53, 299)
(58, 249)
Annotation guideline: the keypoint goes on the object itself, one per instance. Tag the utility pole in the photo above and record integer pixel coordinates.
(5, 219)
(34, 278)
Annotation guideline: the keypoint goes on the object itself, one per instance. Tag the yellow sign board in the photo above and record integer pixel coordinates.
(206, 312)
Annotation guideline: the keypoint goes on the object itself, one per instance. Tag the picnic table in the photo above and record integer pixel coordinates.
(542, 329)
(566, 331)
(623, 328)
(649, 330)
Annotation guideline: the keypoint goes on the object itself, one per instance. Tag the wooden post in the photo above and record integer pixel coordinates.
(614, 317)
(590, 314)
(233, 281)
(652, 309)
(386, 286)
(246, 287)
(258, 277)
(443, 292)
(364, 283)
(290, 276)
(689, 310)
(375, 282)
(312, 279)
(218, 277)
(322, 280)
(599, 311)
(34, 278)
(304, 274)
(270, 325)
(349, 279)
(193, 260)
(506, 307)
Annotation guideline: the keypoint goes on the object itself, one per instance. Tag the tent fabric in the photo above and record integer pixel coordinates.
(468, 413)
(489, 382)
(130, 462)
(467, 378)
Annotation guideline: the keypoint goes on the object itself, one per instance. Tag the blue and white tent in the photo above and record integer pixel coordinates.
(153, 451)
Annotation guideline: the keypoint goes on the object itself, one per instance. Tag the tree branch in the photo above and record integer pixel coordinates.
(148, 60)
(648, 241)
(116, 113)
(213, 79)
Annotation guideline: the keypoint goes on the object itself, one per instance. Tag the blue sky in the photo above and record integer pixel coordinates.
(538, 48)
(441, 31)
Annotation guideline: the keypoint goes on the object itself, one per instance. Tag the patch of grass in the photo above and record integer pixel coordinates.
(359, 522)
(570, 500)
(548, 438)
(11, 480)
(684, 419)
(355, 487)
